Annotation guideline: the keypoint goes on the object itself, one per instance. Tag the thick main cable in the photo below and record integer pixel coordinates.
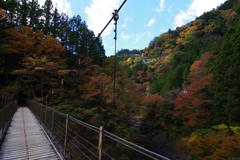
(79, 60)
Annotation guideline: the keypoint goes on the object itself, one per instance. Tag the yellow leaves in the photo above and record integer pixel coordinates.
(221, 127)
(62, 72)
(192, 137)
(166, 51)
(152, 62)
(164, 37)
(224, 127)
(38, 68)
(85, 111)
(179, 40)
(187, 33)
(168, 58)
(129, 59)
(228, 15)
(108, 101)
(213, 27)
(235, 130)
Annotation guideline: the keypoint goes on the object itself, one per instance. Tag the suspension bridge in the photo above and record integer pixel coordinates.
(37, 131)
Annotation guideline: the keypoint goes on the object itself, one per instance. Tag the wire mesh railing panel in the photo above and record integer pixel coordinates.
(6, 115)
(77, 140)
(85, 137)
(52, 122)
(118, 148)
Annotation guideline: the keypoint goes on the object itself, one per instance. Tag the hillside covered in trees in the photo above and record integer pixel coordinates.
(40, 60)
(183, 86)
(190, 77)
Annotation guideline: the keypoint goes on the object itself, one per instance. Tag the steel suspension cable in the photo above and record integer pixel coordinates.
(91, 45)
(116, 17)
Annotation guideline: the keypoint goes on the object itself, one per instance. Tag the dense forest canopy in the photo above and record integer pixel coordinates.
(183, 85)
(193, 70)
(40, 50)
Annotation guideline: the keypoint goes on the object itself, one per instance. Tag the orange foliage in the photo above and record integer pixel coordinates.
(188, 105)
(38, 50)
(166, 51)
(219, 147)
(140, 73)
(38, 53)
(146, 53)
(199, 26)
(98, 87)
(198, 65)
(148, 76)
(128, 63)
(164, 69)
(154, 100)
(177, 48)
(3, 15)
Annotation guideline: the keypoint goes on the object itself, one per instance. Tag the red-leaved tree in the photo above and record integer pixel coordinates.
(191, 106)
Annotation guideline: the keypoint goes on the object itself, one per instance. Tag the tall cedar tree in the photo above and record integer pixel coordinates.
(226, 85)
(7, 61)
(48, 15)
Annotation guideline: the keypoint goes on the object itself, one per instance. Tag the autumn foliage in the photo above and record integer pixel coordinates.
(218, 147)
(191, 104)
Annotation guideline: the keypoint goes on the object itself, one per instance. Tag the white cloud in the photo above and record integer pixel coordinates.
(99, 13)
(170, 8)
(124, 25)
(196, 8)
(163, 30)
(161, 6)
(124, 36)
(127, 19)
(62, 5)
(151, 22)
(142, 35)
(137, 39)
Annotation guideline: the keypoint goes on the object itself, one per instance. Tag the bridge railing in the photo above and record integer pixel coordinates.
(6, 115)
(75, 139)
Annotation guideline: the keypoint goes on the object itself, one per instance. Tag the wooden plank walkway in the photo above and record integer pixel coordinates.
(26, 140)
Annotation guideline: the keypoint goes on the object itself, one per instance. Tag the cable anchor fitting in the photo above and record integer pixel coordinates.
(115, 16)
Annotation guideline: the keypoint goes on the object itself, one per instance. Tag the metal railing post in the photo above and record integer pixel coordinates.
(52, 121)
(100, 143)
(40, 117)
(45, 116)
(65, 141)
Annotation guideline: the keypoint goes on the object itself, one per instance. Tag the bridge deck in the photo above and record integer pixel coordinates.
(26, 139)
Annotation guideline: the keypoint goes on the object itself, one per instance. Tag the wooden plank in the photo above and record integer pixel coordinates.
(25, 139)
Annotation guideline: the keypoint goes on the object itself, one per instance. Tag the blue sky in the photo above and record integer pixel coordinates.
(140, 20)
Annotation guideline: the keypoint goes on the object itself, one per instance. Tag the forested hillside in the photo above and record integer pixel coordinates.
(39, 52)
(190, 77)
(184, 86)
